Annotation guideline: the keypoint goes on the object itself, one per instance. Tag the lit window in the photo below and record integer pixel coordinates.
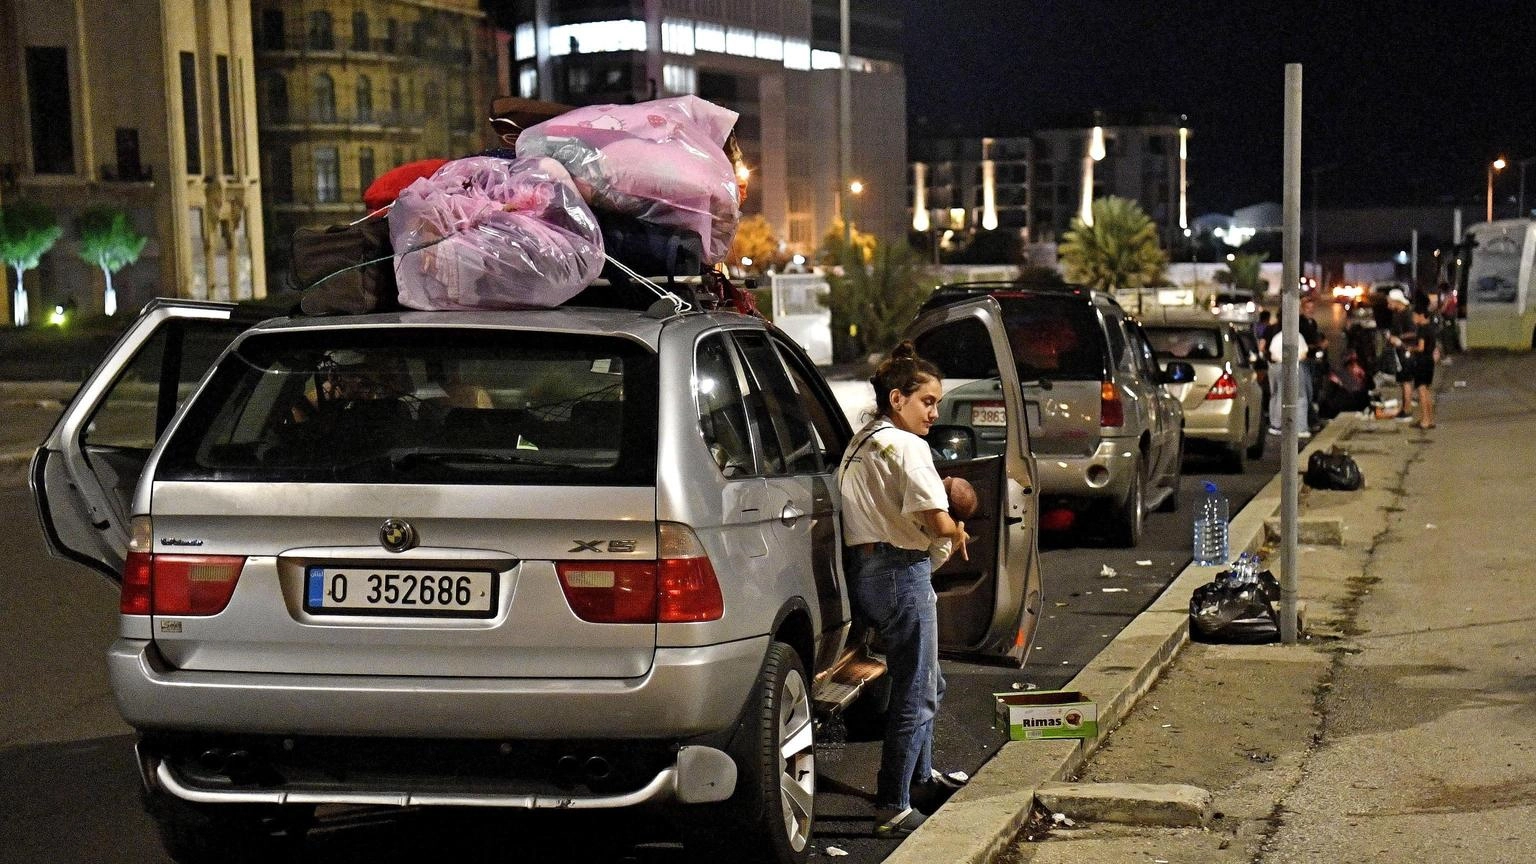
(826, 59)
(770, 46)
(679, 79)
(708, 36)
(739, 41)
(528, 82)
(327, 179)
(677, 36)
(597, 37)
(797, 54)
(523, 46)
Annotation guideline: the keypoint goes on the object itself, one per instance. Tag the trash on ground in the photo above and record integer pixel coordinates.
(1114, 590)
(1062, 819)
(1144, 563)
(1025, 685)
(1108, 572)
(1334, 469)
(835, 852)
(1237, 606)
(1459, 384)
(1047, 715)
(1429, 525)
(1060, 603)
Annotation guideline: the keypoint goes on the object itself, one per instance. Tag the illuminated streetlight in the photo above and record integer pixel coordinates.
(856, 187)
(1496, 165)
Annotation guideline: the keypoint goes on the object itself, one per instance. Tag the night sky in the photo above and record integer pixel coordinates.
(1403, 102)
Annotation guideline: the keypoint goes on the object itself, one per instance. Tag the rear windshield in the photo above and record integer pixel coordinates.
(358, 405)
(1186, 343)
(1054, 338)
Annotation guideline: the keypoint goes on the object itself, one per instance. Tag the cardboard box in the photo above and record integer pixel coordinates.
(1047, 714)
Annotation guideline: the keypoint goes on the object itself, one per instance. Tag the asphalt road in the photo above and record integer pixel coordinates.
(68, 788)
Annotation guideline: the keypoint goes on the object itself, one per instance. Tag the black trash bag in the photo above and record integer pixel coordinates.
(1232, 609)
(1333, 470)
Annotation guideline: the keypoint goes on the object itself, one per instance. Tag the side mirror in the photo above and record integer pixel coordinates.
(1178, 372)
(952, 443)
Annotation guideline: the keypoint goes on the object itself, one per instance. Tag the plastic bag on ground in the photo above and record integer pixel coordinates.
(1236, 606)
(489, 233)
(660, 161)
(1333, 470)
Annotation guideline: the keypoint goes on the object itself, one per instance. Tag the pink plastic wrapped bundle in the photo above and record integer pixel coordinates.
(660, 161)
(489, 233)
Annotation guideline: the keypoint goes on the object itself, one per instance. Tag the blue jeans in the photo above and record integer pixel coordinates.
(893, 590)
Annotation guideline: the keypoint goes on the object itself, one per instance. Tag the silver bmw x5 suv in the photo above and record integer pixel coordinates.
(570, 558)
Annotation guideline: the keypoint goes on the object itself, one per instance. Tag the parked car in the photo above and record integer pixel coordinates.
(1235, 307)
(569, 558)
(1105, 432)
(1223, 405)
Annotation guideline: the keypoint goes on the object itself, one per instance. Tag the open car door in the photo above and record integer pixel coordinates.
(83, 476)
(989, 605)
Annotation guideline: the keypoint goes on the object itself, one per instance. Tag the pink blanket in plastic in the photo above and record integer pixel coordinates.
(660, 161)
(490, 233)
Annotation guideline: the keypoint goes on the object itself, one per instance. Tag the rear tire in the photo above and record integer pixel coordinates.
(1256, 452)
(1130, 515)
(227, 833)
(770, 817)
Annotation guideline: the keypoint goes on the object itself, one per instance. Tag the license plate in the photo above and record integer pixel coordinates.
(366, 591)
(988, 414)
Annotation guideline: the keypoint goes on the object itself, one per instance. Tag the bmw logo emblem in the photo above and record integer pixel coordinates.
(397, 535)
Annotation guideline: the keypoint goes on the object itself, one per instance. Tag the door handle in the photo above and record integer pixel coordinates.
(790, 515)
(1027, 490)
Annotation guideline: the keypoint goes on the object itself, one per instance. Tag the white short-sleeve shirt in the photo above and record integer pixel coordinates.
(887, 479)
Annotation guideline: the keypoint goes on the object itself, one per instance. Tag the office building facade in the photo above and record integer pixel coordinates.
(774, 62)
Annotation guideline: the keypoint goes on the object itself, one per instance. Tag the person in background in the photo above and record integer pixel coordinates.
(1423, 348)
(1400, 327)
(894, 509)
(1314, 361)
(1277, 378)
(1261, 330)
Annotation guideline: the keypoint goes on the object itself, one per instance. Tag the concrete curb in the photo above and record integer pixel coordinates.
(984, 817)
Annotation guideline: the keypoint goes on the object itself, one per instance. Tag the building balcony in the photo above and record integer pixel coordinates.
(299, 44)
(340, 121)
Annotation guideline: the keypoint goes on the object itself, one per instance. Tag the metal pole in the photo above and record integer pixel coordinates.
(1290, 312)
(844, 120)
(1316, 262)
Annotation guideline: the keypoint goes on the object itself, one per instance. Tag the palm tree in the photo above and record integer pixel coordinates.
(1245, 272)
(873, 297)
(1119, 251)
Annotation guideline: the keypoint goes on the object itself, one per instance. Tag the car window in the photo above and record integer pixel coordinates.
(820, 414)
(1146, 361)
(424, 405)
(961, 349)
(766, 406)
(1054, 338)
(722, 416)
(1185, 343)
(136, 410)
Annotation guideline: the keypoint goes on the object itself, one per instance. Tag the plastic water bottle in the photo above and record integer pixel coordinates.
(1210, 535)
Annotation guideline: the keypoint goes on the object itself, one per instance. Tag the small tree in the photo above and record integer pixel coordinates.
(1245, 272)
(27, 231)
(108, 240)
(1119, 251)
(754, 240)
(872, 303)
(832, 244)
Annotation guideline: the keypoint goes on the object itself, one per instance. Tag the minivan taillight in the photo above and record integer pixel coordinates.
(1111, 407)
(1224, 388)
(174, 584)
(680, 586)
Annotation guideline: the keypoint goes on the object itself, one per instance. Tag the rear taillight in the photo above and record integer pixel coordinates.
(1224, 388)
(1111, 408)
(680, 586)
(610, 592)
(689, 590)
(174, 584)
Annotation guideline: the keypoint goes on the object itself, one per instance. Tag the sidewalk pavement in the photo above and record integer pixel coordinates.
(1399, 730)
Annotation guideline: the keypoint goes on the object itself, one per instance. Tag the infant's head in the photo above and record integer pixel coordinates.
(962, 498)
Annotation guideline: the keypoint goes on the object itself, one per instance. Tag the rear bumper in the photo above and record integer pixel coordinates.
(688, 692)
(1216, 420)
(1104, 474)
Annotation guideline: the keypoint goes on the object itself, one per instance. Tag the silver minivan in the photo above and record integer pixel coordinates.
(570, 558)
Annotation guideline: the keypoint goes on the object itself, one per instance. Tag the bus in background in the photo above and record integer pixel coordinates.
(1496, 284)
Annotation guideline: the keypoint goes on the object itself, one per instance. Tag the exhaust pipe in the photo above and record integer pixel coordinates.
(598, 768)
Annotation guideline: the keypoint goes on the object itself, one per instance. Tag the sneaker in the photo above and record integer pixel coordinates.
(897, 823)
(1274, 431)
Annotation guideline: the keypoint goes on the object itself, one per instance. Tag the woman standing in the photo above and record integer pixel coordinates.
(894, 510)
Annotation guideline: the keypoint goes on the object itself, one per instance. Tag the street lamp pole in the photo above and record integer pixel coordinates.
(1496, 165)
(1522, 163)
(844, 116)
